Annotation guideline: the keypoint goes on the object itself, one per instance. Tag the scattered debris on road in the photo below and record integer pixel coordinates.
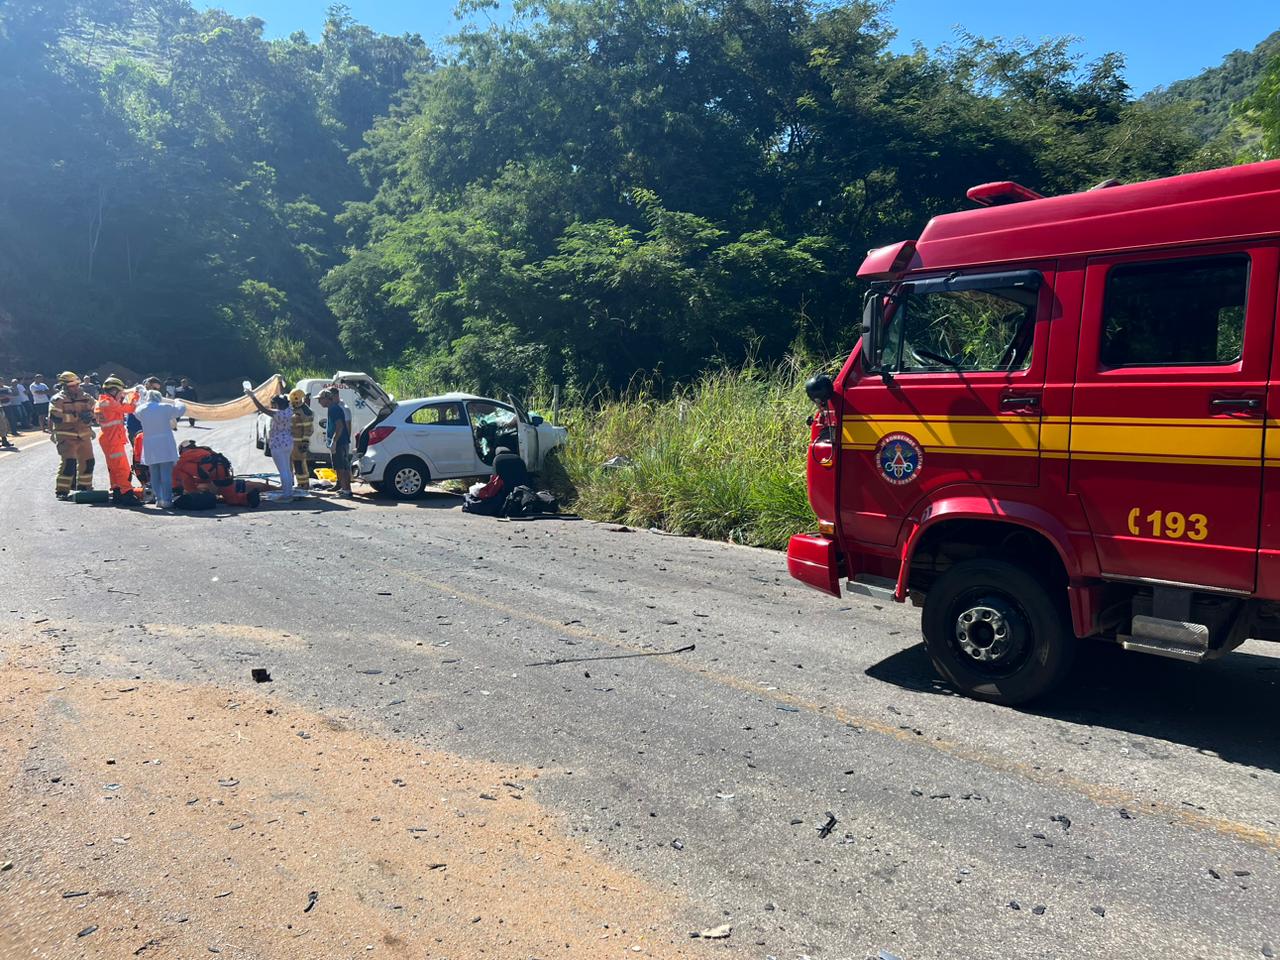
(714, 933)
(615, 656)
(824, 831)
(260, 675)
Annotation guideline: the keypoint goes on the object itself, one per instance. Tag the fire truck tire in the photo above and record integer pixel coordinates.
(996, 633)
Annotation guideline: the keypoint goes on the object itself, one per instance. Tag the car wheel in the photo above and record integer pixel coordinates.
(378, 486)
(406, 478)
(996, 633)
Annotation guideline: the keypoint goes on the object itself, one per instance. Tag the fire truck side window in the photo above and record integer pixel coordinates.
(1172, 313)
(969, 331)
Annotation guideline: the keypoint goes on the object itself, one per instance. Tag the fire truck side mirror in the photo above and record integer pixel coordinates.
(871, 332)
(820, 389)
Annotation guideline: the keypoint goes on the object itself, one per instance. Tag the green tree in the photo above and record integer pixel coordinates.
(1262, 109)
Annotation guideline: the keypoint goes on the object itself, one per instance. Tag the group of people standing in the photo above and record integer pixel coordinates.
(136, 435)
(289, 439)
(141, 417)
(24, 405)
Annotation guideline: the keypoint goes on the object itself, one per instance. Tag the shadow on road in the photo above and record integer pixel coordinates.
(431, 500)
(1226, 707)
(222, 511)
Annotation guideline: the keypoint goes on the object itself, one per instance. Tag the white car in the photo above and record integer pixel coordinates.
(358, 392)
(450, 437)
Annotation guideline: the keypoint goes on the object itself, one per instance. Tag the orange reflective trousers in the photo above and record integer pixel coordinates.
(114, 440)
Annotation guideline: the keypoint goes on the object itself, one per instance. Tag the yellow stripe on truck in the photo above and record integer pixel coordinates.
(1221, 442)
(978, 434)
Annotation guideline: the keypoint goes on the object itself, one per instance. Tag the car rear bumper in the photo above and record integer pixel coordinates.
(814, 560)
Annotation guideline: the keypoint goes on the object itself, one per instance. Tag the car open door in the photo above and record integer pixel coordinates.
(528, 433)
(491, 425)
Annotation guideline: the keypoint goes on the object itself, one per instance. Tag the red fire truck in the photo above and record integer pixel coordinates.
(1063, 421)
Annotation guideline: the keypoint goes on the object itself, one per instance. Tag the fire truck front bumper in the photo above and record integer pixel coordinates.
(814, 561)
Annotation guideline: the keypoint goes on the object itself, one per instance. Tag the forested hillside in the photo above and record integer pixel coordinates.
(1213, 95)
(595, 189)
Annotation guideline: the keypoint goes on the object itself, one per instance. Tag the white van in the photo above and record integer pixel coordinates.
(359, 393)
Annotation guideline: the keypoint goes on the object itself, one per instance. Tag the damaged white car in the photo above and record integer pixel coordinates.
(452, 437)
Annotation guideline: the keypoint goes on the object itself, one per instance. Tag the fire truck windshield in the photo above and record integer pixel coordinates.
(938, 330)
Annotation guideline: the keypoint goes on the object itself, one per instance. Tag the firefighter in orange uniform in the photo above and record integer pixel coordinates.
(303, 420)
(112, 407)
(71, 428)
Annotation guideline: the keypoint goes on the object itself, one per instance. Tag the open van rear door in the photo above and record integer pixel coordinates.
(367, 389)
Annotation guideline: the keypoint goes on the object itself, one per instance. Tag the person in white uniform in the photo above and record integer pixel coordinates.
(159, 448)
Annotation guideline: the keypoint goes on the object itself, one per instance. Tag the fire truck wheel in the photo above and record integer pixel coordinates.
(996, 633)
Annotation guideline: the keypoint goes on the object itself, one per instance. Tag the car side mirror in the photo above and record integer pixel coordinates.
(820, 389)
(536, 420)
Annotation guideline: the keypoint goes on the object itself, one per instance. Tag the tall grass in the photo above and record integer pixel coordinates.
(722, 458)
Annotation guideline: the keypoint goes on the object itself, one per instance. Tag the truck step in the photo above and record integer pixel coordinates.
(1176, 639)
(877, 588)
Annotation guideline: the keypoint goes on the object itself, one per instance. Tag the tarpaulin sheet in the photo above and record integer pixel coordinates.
(240, 407)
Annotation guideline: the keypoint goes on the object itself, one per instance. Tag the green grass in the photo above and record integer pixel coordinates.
(722, 458)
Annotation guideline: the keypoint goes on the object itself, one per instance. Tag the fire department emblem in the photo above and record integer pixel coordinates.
(900, 458)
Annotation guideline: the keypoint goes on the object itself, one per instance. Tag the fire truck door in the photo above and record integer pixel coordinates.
(959, 401)
(1169, 412)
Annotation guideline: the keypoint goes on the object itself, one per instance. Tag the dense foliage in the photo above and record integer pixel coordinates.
(593, 189)
(1260, 111)
(1212, 97)
(606, 186)
(169, 181)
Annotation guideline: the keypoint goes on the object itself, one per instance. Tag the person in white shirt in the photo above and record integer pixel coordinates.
(159, 448)
(24, 403)
(39, 391)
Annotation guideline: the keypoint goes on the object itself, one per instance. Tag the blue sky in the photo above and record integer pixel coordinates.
(1162, 41)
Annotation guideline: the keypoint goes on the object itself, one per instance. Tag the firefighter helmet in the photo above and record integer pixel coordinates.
(297, 397)
(67, 377)
(110, 382)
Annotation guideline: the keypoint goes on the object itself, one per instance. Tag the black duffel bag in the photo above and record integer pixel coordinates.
(526, 502)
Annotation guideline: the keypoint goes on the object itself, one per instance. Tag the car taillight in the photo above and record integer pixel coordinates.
(378, 434)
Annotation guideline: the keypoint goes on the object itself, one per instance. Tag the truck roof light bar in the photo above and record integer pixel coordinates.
(1001, 192)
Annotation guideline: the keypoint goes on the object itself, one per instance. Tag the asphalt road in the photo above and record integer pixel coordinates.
(1135, 814)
